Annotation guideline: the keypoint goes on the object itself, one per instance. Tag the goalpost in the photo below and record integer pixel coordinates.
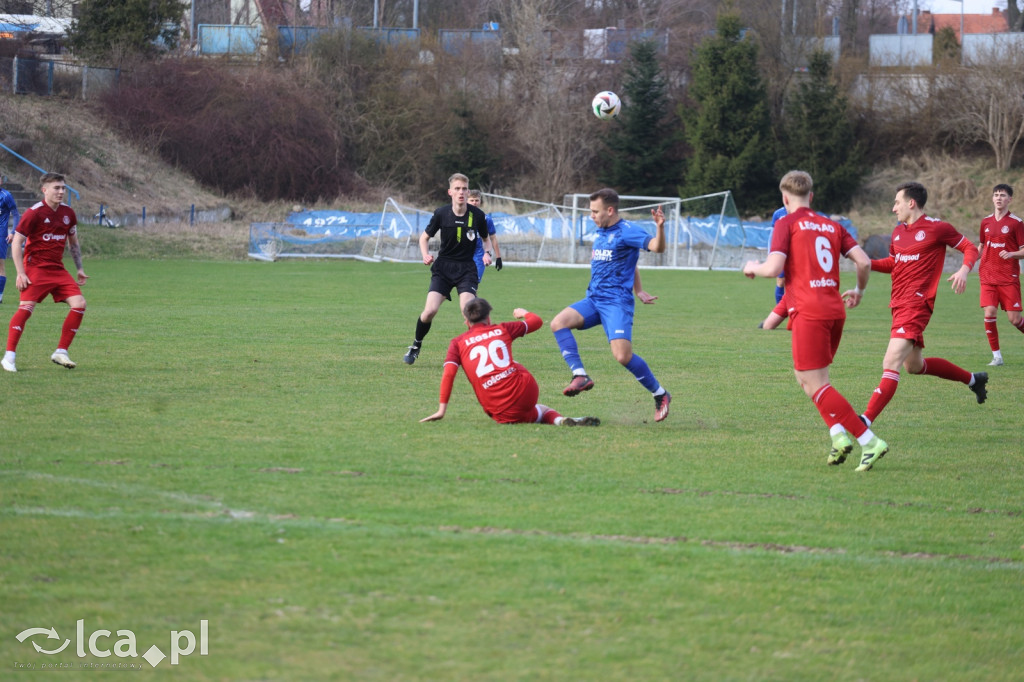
(703, 232)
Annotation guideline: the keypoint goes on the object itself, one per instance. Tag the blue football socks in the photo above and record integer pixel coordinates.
(638, 367)
(570, 351)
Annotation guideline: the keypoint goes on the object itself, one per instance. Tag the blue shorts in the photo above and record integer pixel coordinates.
(3, 247)
(479, 260)
(616, 320)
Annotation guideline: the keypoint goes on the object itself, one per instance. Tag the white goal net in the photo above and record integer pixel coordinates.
(703, 232)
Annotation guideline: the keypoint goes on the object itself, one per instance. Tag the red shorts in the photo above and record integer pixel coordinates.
(522, 410)
(1006, 296)
(909, 323)
(56, 282)
(815, 342)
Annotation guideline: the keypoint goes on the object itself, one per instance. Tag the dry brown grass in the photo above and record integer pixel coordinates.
(64, 135)
(959, 190)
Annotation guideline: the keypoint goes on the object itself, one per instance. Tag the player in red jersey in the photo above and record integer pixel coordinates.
(38, 250)
(506, 390)
(1002, 248)
(779, 313)
(805, 249)
(917, 252)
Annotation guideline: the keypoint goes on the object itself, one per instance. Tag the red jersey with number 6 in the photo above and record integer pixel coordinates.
(46, 234)
(485, 352)
(812, 245)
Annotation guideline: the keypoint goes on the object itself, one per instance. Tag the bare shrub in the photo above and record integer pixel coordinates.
(552, 131)
(983, 102)
(237, 129)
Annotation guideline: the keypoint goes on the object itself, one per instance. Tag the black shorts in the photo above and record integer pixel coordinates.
(450, 274)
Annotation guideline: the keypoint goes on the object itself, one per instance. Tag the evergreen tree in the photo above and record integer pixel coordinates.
(820, 138)
(642, 160)
(729, 130)
(108, 29)
(945, 46)
(467, 150)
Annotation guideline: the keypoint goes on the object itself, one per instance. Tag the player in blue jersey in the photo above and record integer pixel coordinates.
(8, 221)
(781, 310)
(489, 242)
(609, 299)
(780, 282)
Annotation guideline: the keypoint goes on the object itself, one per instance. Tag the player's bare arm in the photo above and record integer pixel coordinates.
(853, 297)
(658, 242)
(638, 289)
(494, 245)
(18, 254)
(76, 255)
(772, 266)
(487, 251)
(437, 416)
(428, 258)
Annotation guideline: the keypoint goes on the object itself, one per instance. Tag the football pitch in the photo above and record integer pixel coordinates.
(237, 464)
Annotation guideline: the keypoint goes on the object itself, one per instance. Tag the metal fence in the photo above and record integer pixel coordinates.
(49, 77)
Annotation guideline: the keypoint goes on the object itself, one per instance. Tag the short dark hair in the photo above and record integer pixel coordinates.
(477, 310)
(1004, 187)
(50, 177)
(608, 197)
(915, 191)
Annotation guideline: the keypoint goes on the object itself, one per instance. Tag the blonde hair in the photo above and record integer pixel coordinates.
(457, 176)
(797, 182)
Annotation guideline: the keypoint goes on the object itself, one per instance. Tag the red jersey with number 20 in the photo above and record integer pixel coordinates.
(812, 245)
(46, 234)
(485, 353)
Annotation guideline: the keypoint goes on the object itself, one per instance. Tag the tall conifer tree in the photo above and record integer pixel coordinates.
(642, 141)
(729, 128)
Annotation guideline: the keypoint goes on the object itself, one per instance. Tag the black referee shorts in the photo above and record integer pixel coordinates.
(449, 274)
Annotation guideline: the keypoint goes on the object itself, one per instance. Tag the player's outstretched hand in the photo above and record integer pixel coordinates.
(519, 313)
(750, 268)
(497, 264)
(645, 297)
(659, 216)
(959, 281)
(852, 298)
(436, 417)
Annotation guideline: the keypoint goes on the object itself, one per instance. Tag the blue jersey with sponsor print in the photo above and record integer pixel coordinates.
(479, 255)
(613, 262)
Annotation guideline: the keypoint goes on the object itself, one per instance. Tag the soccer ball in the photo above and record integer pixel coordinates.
(606, 105)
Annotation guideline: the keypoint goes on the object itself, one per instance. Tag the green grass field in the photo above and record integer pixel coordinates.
(240, 444)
